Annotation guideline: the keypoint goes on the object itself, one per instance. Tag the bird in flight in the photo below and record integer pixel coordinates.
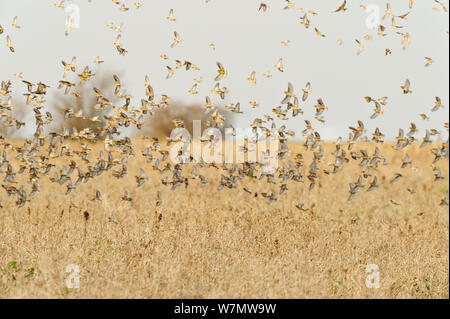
(306, 91)
(14, 23)
(171, 17)
(97, 60)
(342, 7)
(221, 72)
(360, 47)
(279, 65)
(9, 44)
(437, 104)
(406, 87)
(430, 61)
(262, 7)
(176, 39)
(252, 78)
(320, 34)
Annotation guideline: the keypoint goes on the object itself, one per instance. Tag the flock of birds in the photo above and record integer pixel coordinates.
(37, 156)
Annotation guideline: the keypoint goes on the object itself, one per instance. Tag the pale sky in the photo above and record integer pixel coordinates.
(247, 40)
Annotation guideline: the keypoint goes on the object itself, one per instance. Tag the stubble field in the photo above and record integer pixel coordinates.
(205, 243)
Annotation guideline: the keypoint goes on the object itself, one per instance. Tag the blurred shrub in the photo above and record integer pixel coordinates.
(160, 123)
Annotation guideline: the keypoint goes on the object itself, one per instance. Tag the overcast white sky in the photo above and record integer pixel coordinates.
(246, 40)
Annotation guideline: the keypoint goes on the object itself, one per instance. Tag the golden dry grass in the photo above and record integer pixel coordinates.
(204, 243)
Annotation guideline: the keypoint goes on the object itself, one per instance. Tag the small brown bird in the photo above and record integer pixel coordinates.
(171, 16)
(342, 7)
(377, 111)
(262, 7)
(430, 61)
(442, 5)
(393, 201)
(279, 65)
(176, 39)
(221, 72)
(97, 60)
(406, 87)
(252, 78)
(14, 23)
(306, 91)
(444, 201)
(320, 34)
(403, 16)
(437, 104)
(8, 44)
(360, 47)
(97, 196)
(158, 199)
(388, 11)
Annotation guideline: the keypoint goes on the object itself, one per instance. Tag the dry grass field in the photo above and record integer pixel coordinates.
(205, 243)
